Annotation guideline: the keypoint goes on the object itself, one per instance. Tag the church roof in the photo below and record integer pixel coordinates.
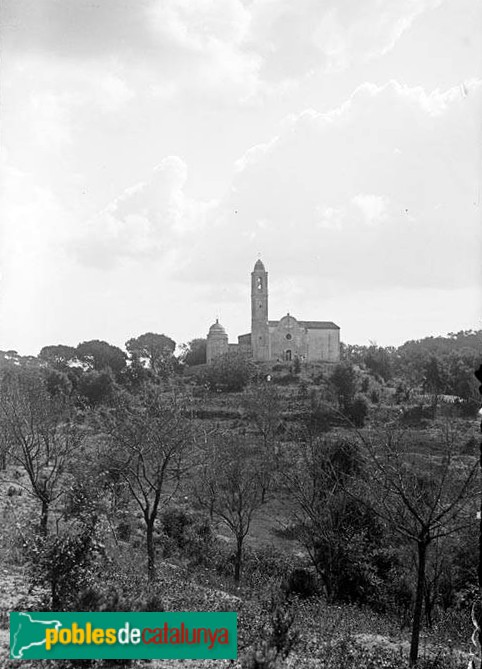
(217, 327)
(319, 325)
(311, 325)
(259, 265)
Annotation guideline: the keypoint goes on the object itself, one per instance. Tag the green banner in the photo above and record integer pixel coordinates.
(116, 635)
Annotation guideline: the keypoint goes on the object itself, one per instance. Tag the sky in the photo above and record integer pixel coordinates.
(152, 150)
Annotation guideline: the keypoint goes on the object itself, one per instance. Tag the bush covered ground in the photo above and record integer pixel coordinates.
(304, 497)
(322, 634)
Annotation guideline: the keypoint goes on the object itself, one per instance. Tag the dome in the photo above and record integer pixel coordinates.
(217, 328)
(259, 265)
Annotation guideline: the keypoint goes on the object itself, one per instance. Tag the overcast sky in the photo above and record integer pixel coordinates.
(151, 149)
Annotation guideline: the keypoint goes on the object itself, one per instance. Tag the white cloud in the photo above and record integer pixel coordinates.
(105, 54)
(296, 38)
(150, 220)
(196, 26)
(379, 190)
(34, 228)
(46, 102)
(371, 190)
(215, 51)
(373, 207)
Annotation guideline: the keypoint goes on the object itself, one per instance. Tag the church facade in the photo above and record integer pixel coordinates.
(283, 340)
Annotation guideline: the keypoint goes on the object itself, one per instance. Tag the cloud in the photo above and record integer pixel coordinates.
(161, 48)
(226, 49)
(373, 207)
(70, 66)
(148, 221)
(47, 105)
(34, 229)
(383, 189)
(297, 38)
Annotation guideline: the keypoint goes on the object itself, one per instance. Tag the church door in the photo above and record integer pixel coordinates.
(288, 355)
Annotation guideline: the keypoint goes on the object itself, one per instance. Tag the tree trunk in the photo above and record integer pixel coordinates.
(417, 609)
(54, 593)
(44, 518)
(330, 596)
(238, 560)
(151, 551)
(429, 606)
(476, 660)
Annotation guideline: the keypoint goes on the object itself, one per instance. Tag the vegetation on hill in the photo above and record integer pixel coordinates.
(332, 506)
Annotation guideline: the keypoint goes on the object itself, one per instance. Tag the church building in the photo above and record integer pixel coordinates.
(282, 340)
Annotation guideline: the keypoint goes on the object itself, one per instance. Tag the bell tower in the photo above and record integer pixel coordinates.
(259, 313)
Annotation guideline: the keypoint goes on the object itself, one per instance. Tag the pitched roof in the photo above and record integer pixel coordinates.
(319, 325)
(311, 325)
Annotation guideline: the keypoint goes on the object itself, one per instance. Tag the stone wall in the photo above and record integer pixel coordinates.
(288, 340)
(323, 345)
(216, 345)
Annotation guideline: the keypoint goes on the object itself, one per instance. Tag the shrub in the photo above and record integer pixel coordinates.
(467, 408)
(124, 530)
(95, 387)
(300, 582)
(343, 382)
(357, 410)
(278, 638)
(318, 379)
(346, 652)
(230, 372)
(17, 526)
(417, 415)
(175, 522)
(64, 564)
(286, 379)
(470, 446)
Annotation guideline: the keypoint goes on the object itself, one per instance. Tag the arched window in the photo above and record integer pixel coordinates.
(288, 355)
(259, 283)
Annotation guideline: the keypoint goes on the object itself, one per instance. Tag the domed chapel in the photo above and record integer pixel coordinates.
(282, 340)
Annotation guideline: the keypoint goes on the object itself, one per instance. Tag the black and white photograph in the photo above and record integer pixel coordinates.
(241, 334)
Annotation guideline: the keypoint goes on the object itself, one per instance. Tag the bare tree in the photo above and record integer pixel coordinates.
(327, 522)
(422, 495)
(149, 445)
(42, 434)
(262, 405)
(229, 487)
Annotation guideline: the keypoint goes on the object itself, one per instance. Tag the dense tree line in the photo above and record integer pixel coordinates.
(437, 365)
